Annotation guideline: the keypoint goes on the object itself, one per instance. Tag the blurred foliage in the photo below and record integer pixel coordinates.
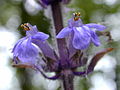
(8, 8)
(39, 19)
(87, 7)
(118, 76)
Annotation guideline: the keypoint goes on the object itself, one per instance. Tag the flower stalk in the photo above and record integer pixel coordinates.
(66, 77)
(58, 24)
(33, 51)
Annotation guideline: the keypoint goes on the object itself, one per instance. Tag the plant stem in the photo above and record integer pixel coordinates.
(57, 16)
(67, 76)
(58, 23)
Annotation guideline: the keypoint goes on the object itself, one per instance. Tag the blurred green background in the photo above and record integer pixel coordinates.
(15, 12)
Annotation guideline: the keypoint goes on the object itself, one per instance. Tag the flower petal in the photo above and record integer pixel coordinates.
(72, 23)
(64, 32)
(46, 49)
(17, 44)
(96, 26)
(33, 30)
(40, 36)
(81, 39)
(94, 37)
(25, 51)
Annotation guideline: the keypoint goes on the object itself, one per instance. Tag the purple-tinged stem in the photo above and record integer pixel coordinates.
(45, 76)
(67, 78)
(57, 18)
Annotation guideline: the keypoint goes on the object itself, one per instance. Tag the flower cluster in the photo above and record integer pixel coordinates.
(33, 49)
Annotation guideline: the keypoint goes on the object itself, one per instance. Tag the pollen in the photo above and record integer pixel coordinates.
(76, 16)
(25, 27)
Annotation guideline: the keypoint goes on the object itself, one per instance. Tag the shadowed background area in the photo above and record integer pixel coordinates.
(15, 12)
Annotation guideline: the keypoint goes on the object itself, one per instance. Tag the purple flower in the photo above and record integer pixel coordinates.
(34, 52)
(25, 50)
(48, 2)
(82, 34)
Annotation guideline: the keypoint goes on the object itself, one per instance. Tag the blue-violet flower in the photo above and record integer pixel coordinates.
(82, 34)
(25, 50)
(48, 2)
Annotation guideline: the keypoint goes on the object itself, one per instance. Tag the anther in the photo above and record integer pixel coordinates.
(25, 27)
(76, 16)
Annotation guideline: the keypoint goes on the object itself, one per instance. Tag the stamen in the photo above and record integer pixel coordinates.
(76, 16)
(25, 27)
